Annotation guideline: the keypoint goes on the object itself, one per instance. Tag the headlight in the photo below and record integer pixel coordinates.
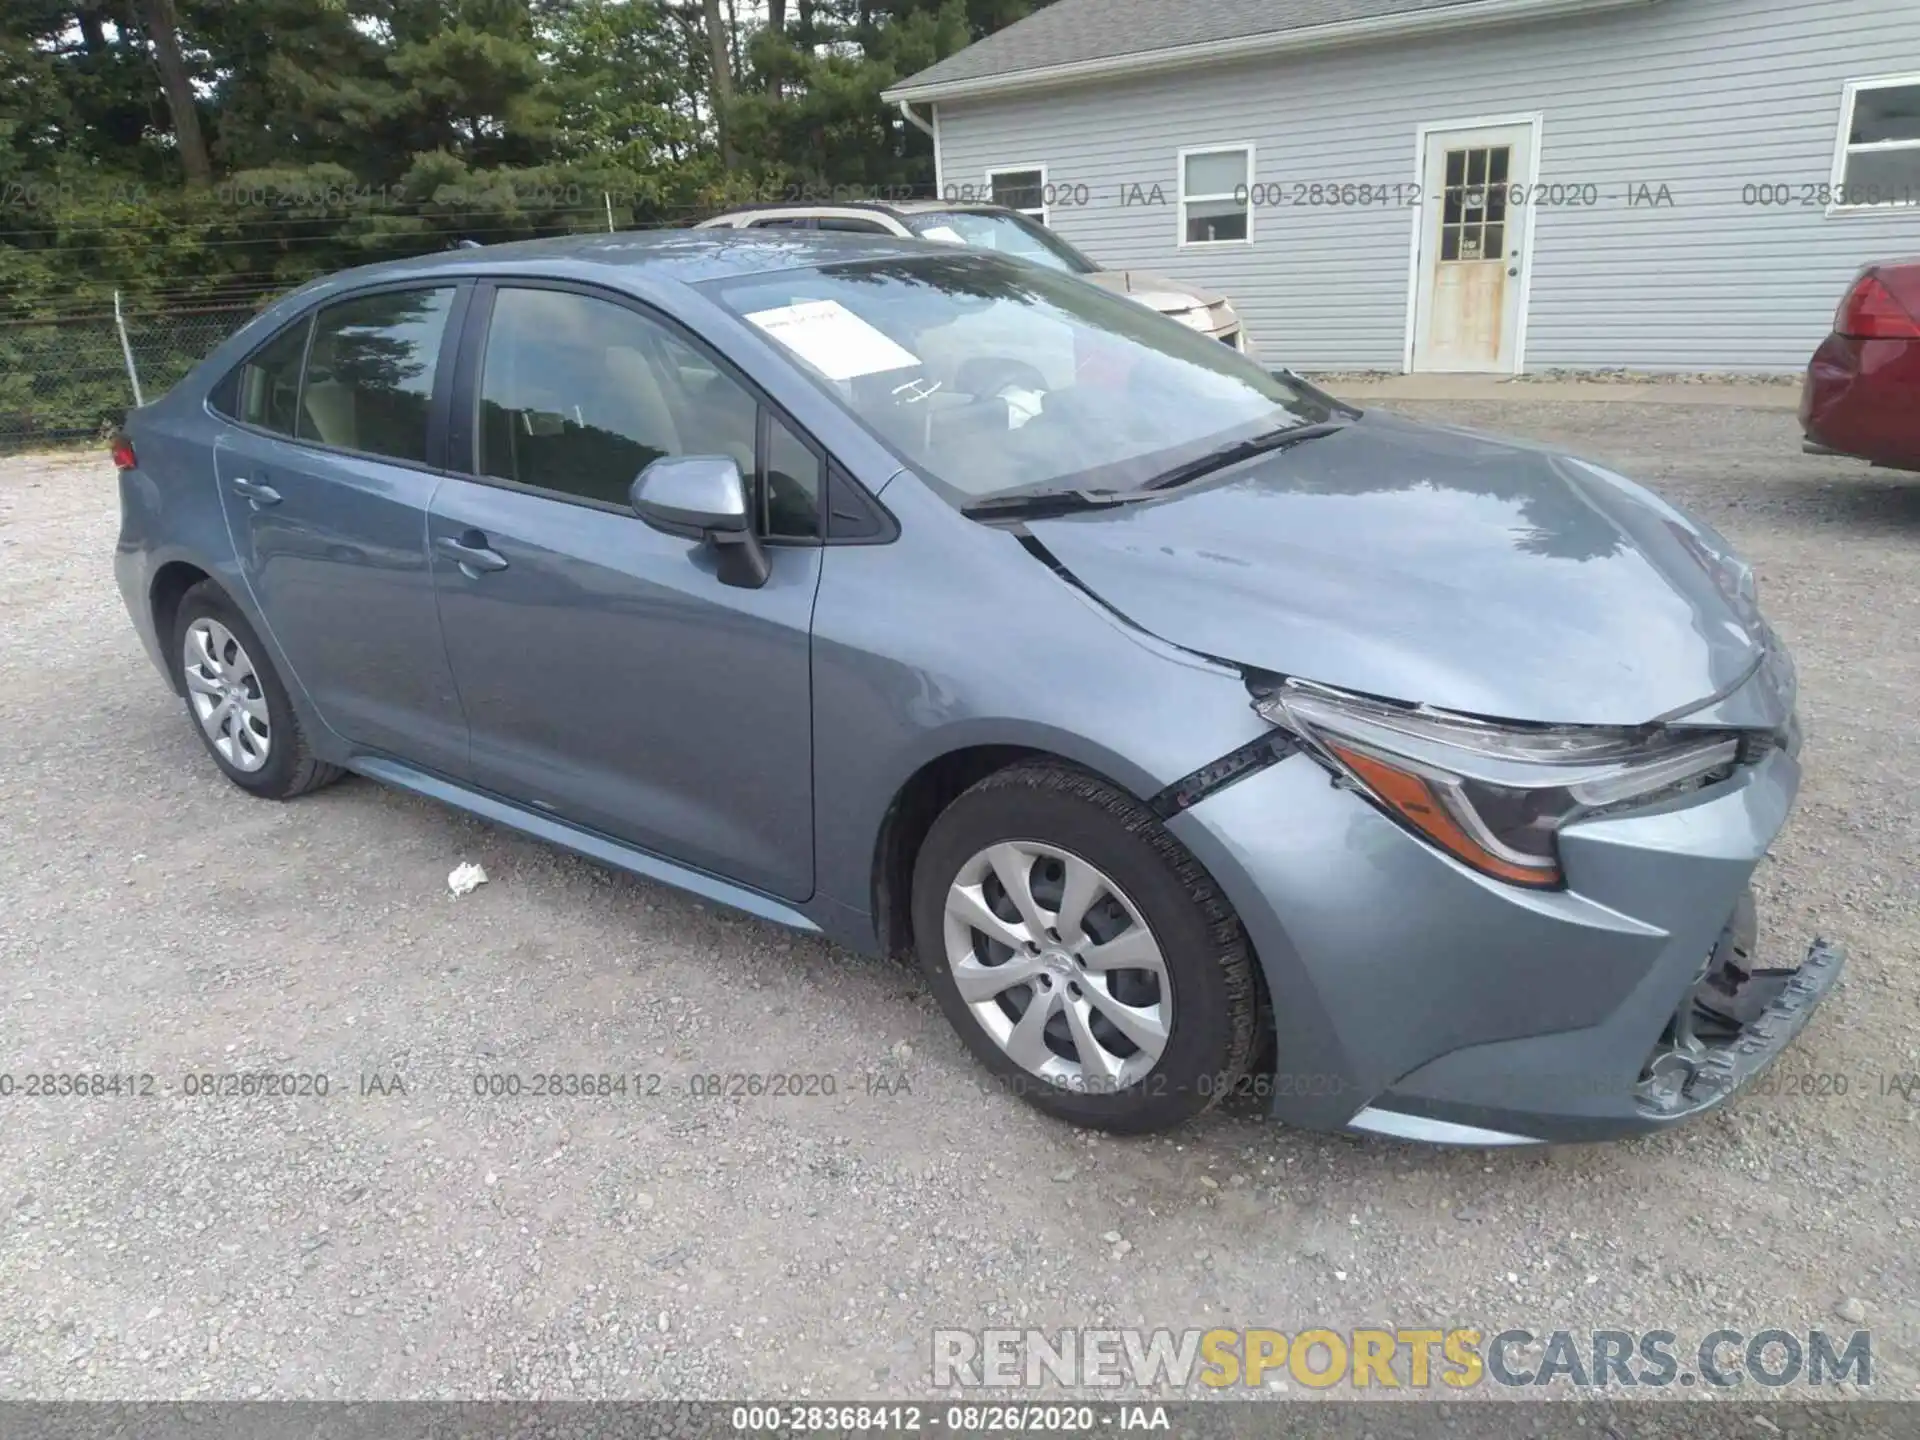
(1492, 796)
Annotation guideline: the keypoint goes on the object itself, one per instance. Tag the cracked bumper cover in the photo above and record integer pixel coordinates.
(1416, 998)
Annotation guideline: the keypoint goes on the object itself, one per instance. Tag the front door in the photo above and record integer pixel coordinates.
(325, 483)
(1472, 249)
(608, 676)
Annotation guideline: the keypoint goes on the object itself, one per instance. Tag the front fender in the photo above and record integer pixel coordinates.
(955, 637)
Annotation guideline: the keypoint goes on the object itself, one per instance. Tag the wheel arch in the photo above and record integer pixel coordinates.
(935, 783)
(170, 585)
(178, 574)
(903, 828)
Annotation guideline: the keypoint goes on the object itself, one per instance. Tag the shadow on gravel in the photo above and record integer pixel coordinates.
(1883, 501)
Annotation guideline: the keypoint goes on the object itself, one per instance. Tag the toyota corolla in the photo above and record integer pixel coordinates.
(1197, 732)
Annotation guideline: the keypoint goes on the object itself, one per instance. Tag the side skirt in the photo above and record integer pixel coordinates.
(590, 843)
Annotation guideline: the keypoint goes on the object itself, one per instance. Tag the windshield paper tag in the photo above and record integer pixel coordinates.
(832, 339)
(945, 234)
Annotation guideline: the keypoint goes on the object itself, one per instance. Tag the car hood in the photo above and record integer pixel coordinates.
(1156, 290)
(1433, 565)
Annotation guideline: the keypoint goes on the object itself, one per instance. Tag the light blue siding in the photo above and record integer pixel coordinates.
(1705, 97)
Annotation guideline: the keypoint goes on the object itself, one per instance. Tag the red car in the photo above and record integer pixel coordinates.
(1862, 396)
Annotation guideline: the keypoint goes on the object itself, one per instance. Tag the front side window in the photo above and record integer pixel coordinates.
(1016, 235)
(989, 376)
(790, 492)
(1215, 204)
(578, 395)
(370, 369)
(265, 392)
(1879, 160)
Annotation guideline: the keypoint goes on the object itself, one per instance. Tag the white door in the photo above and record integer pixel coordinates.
(1472, 248)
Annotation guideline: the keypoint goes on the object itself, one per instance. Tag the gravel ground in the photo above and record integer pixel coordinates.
(402, 1237)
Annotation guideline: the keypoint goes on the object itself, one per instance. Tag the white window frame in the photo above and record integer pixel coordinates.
(1032, 168)
(1245, 147)
(1842, 150)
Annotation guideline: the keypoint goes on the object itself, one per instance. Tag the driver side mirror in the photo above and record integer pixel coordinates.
(704, 497)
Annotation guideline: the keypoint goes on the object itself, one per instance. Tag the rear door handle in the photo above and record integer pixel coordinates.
(472, 553)
(259, 495)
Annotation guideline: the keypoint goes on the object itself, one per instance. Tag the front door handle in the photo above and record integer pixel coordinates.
(256, 494)
(472, 553)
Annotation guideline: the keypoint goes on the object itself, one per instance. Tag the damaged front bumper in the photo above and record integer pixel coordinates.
(1416, 998)
(1733, 1023)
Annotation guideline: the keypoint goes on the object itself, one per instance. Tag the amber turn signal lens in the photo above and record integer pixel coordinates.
(1413, 800)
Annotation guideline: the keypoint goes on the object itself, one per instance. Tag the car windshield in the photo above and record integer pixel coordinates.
(1006, 231)
(991, 377)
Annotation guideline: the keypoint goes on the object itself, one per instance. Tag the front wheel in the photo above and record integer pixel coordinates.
(1083, 955)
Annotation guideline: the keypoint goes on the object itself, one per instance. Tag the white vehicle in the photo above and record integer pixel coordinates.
(994, 227)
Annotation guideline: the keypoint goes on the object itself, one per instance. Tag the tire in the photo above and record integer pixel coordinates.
(217, 656)
(1151, 899)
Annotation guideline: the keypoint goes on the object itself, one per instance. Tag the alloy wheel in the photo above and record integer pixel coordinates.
(1058, 966)
(226, 694)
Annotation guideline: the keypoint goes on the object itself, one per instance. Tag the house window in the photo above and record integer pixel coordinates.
(1473, 224)
(1877, 165)
(1215, 205)
(1024, 190)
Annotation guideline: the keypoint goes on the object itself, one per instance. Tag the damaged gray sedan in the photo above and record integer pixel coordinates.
(1200, 734)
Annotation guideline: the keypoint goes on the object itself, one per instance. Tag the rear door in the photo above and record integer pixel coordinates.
(608, 676)
(325, 475)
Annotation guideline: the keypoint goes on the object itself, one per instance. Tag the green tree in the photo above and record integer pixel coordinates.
(212, 149)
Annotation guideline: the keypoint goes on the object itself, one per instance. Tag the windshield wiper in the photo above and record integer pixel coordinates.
(1314, 392)
(1242, 450)
(1039, 503)
(1036, 504)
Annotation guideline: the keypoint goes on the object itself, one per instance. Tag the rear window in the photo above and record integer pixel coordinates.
(1008, 232)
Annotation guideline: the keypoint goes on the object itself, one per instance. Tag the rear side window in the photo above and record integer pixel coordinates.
(265, 390)
(370, 372)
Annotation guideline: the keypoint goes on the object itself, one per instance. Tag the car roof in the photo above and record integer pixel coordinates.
(683, 256)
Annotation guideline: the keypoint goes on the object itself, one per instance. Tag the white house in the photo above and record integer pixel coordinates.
(1462, 185)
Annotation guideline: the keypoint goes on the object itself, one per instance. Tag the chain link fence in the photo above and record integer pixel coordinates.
(71, 378)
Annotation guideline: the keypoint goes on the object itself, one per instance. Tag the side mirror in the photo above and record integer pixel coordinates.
(703, 497)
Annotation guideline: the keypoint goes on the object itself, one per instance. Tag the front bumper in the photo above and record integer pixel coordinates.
(1683, 1075)
(1415, 997)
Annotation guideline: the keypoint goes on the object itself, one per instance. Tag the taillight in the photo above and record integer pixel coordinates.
(123, 456)
(1871, 312)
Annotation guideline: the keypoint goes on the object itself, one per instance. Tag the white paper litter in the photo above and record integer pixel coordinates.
(1022, 405)
(832, 339)
(465, 878)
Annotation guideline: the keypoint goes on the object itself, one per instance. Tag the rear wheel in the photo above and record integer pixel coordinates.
(1083, 955)
(238, 706)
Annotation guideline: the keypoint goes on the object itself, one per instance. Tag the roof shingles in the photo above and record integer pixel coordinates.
(1074, 31)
